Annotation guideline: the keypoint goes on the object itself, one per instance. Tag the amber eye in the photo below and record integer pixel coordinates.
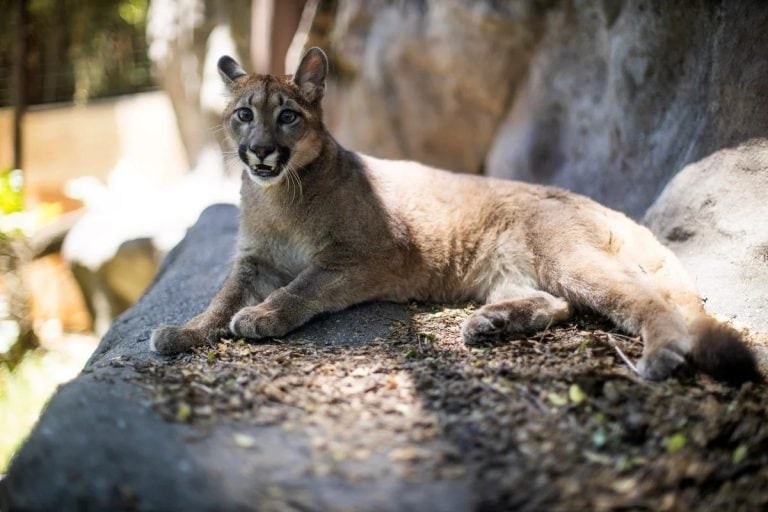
(245, 115)
(287, 117)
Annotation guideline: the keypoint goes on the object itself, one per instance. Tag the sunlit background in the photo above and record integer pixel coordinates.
(109, 150)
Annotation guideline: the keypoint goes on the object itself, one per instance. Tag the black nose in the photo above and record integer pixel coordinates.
(262, 151)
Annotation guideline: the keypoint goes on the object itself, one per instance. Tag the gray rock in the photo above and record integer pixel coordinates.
(714, 215)
(100, 445)
(428, 80)
(620, 96)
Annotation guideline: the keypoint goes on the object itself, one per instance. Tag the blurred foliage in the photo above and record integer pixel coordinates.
(25, 390)
(11, 190)
(15, 221)
(78, 49)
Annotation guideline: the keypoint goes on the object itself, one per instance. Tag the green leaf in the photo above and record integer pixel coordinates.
(410, 354)
(676, 442)
(427, 336)
(739, 454)
(576, 394)
(183, 412)
(557, 399)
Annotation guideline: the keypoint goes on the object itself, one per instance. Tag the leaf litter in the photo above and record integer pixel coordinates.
(556, 420)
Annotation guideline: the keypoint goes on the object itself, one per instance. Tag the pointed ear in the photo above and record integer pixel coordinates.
(230, 70)
(310, 76)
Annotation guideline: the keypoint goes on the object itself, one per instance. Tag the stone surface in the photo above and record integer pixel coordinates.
(429, 80)
(620, 96)
(705, 209)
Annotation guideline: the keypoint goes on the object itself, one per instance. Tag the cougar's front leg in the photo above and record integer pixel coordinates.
(314, 291)
(248, 283)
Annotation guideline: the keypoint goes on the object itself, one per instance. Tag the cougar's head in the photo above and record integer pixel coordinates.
(276, 121)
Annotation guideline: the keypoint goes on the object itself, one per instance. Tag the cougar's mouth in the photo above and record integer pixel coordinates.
(265, 171)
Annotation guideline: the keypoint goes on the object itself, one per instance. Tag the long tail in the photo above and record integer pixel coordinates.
(719, 350)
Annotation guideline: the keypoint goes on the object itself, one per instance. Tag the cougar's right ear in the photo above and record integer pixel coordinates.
(310, 76)
(230, 70)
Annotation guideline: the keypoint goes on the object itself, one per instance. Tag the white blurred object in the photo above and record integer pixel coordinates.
(131, 207)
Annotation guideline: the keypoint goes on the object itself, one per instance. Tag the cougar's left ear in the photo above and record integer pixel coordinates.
(230, 70)
(310, 75)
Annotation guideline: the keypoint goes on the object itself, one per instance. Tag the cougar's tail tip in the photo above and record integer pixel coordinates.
(720, 351)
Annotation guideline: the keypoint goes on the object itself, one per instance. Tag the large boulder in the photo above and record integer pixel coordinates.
(621, 96)
(428, 81)
(714, 215)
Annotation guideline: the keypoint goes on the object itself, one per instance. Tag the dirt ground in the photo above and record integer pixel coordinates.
(554, 421)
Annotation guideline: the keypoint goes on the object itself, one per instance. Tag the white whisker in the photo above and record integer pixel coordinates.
(297, 179)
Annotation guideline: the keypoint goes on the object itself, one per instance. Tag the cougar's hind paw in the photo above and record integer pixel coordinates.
(484, 327)
(661, 364)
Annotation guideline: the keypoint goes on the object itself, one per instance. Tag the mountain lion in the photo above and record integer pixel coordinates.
(323, 228)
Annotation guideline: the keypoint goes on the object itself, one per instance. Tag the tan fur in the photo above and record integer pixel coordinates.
(335, 228)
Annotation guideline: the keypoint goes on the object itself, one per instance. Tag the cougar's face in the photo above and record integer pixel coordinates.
(276, 122)
(272, 129)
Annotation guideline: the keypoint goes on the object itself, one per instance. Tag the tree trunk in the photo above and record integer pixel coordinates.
(19, 77)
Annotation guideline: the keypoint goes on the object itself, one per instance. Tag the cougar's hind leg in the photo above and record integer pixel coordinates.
(516, 310)
(631, 300)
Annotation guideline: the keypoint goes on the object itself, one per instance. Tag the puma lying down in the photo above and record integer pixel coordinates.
(323, 228)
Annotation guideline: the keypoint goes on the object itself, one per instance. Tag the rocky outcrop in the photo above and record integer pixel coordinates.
(428, 80)
(619, 99)
(608, 98)
(714, 215)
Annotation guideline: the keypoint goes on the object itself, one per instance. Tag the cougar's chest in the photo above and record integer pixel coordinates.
(275, 238)
(289, 254)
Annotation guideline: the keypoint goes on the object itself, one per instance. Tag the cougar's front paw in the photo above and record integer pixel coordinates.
(172, 339)
(256, 322)
(484, 326)
(661, 363)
